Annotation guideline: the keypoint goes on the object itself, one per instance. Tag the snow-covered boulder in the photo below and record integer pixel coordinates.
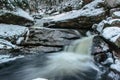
(83, 18)
(116, 14)
(18, 17)
(112, 34)
(110, 31)
(14, 33)
(110, 28)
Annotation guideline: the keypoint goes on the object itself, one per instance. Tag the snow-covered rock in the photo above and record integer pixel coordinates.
(116, 66)
(112, 3)
(86, 16)
(18, 17)
(14, 33)
(112, 34)
(7, 58)
(52, 37)
(40, 79)
(4, 44)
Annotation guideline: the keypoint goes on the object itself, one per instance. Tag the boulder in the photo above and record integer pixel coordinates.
(109, 29)
(83, 18)
(14, 33)
(18, 17)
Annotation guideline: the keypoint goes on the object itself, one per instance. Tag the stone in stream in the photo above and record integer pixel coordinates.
(83, 18)
(18, 17)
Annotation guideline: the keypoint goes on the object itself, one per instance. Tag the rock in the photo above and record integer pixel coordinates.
(4, 44)
(109, 22)
(116, 14)
(114, 10)
(40, 49)
(51, 37)
(87, 1)
(14, 33)
(83, 18)
(8, 58)
(112, 34)
(18, 17)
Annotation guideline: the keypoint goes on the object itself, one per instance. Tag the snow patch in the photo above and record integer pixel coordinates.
(7, 58)
(13, 32)
(117, 13)
(40, 79)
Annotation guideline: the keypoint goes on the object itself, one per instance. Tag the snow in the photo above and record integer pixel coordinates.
(100, 26)
(7, 58)
(40, 79)
(18, 12)
(24, 14)
(116, 66)
(13, 32)
(111, 33)
(88, 10)
(6, 44)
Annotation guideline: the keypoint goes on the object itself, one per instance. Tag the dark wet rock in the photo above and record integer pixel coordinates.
(18, 17)
(83, 18)
(99, 45)
(87, 1)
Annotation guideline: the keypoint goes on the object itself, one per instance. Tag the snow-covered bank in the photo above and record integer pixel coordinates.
(7, 58)
(87, 10)
(14, 33)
